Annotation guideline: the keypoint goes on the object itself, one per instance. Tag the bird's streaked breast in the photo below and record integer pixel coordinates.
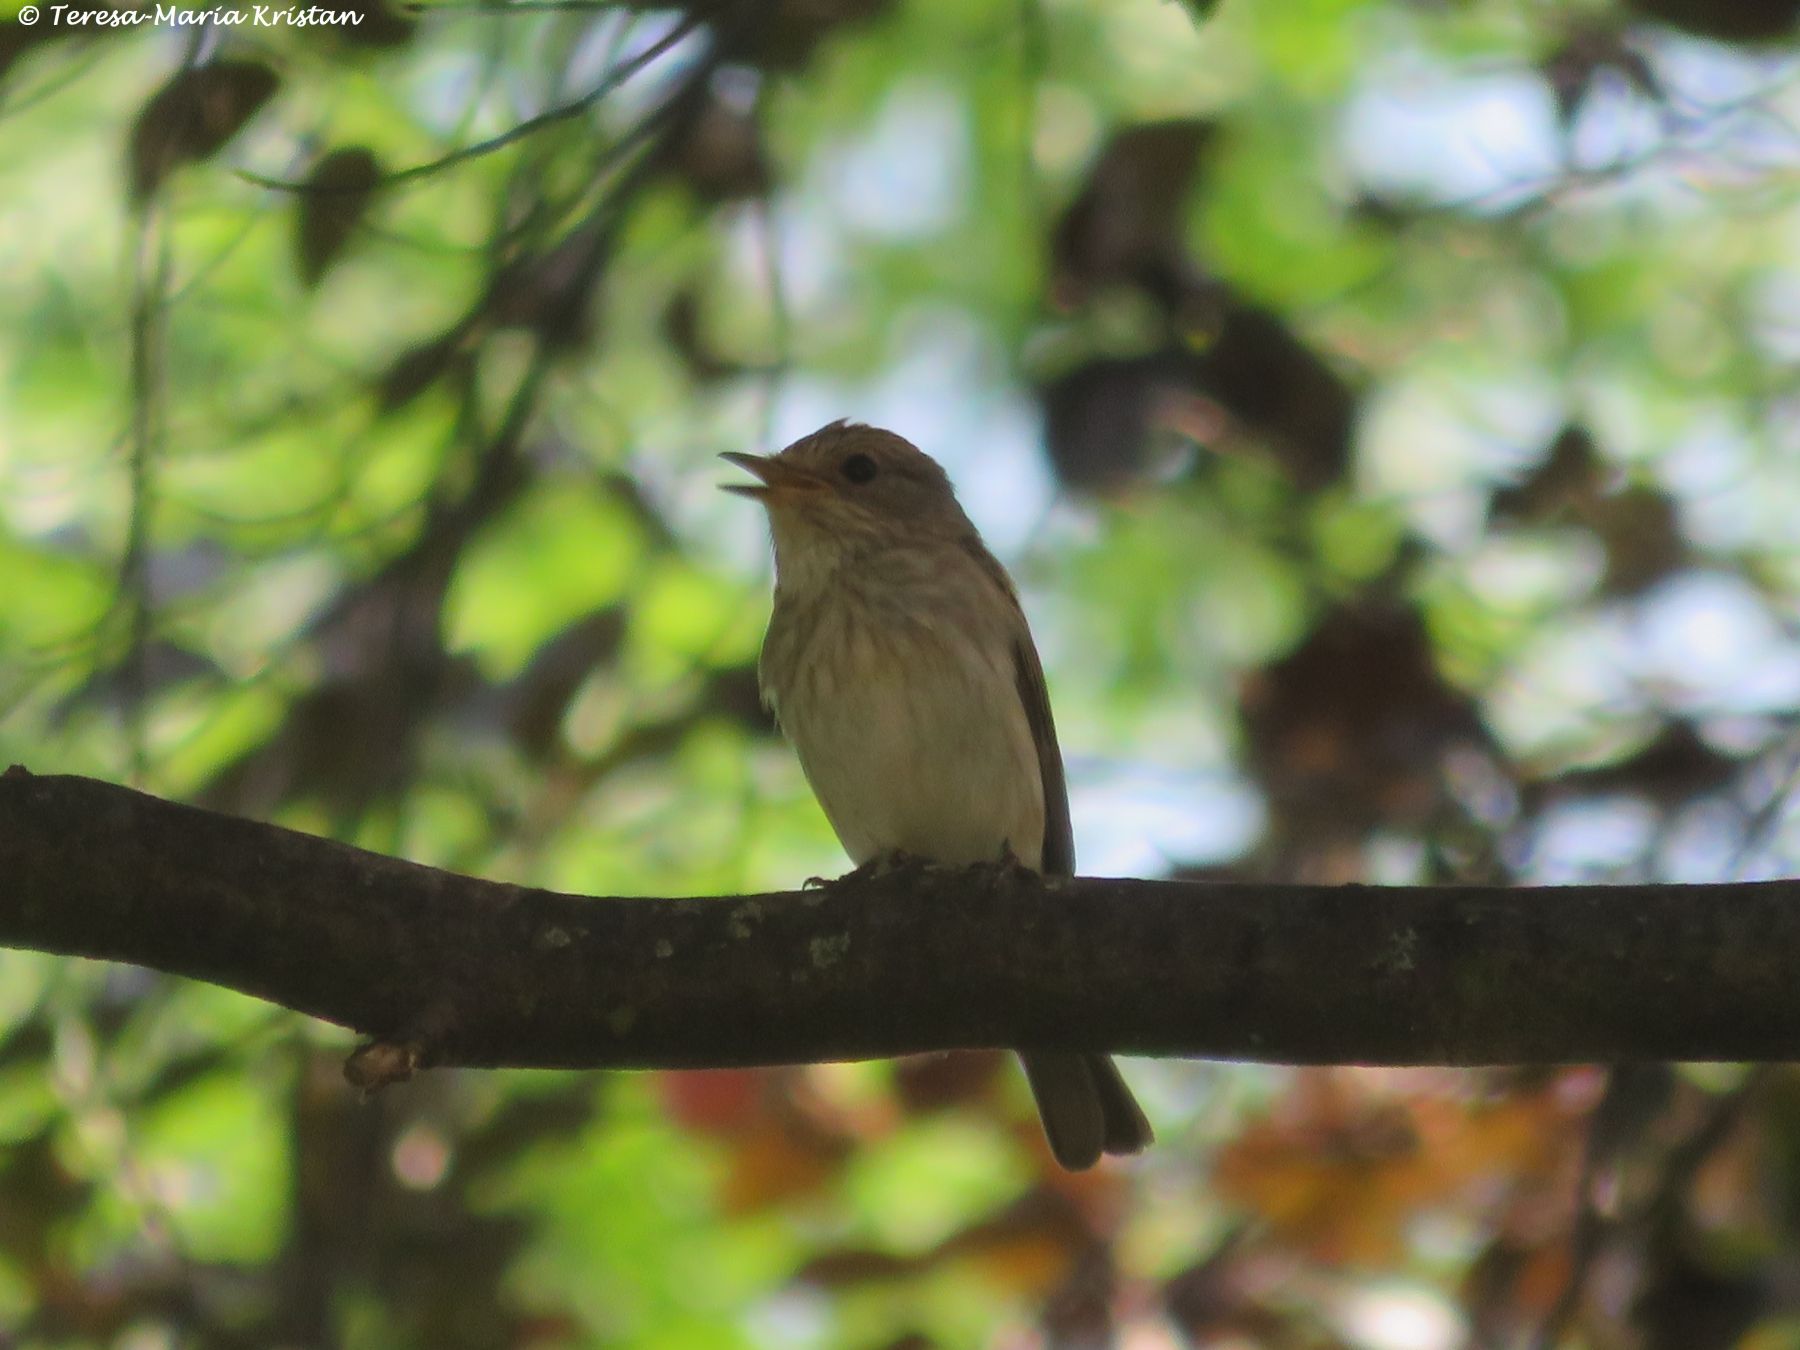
(908, 722)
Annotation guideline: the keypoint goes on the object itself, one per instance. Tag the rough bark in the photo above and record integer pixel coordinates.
(447, 969)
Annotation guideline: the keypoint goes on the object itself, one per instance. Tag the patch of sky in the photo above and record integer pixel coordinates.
(1435, 443)
(908, 175)
(1708, 644)
(1138, 819)
(1588, 841)
(1420, 130)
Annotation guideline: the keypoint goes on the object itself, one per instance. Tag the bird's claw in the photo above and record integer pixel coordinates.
(1009, 866)
(885, 864)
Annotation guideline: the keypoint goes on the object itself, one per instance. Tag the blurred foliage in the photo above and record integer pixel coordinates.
(1387, 406)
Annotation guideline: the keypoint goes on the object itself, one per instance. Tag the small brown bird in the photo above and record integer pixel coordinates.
(900, 666)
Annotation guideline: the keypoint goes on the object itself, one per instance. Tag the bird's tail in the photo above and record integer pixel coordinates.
(1086, 1108)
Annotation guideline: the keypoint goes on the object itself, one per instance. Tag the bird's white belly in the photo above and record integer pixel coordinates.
(931, 755)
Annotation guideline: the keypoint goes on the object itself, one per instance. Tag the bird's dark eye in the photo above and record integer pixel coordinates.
(858, 468)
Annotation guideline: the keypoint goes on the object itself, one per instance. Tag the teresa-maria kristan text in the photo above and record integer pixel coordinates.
(257, 16)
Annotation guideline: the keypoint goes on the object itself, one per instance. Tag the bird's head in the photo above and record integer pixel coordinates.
(849, 489)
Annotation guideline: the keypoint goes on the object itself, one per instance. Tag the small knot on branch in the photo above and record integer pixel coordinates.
(379, 1064)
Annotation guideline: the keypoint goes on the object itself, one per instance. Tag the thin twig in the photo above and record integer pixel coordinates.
(550, 117)
(150, 285)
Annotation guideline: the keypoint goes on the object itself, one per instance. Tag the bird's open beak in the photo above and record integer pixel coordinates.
(781, 481)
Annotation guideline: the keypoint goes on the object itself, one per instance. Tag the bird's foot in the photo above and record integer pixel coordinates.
(881, 865)
(1007, 867)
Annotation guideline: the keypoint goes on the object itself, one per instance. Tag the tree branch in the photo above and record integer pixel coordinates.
(447, 969)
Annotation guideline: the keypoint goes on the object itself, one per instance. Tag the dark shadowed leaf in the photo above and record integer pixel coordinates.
(783, 34)
(418, 368)
(1101, 418)
(1588, 59)
(378, 24)
(1673, 768)
(1128, 224)
(18, 38)
(1570, 477)
(1641, 532)
(721, 155)
(1636, 524)
(552, 293)
(1726, 20)
(1202, 10)
(1283, 391)
(1348, 731)
(192, 117)
(337, 196)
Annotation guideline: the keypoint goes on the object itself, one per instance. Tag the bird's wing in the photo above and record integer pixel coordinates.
(1058, 856)
(1059, 838)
